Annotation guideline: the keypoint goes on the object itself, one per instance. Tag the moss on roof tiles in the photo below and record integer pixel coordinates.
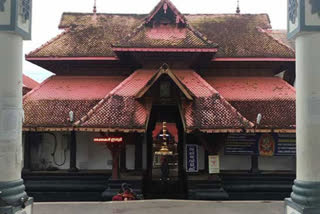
(236, 35)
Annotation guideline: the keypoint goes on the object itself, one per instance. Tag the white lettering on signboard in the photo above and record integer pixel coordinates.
(214, 164)
(192, 158)
(290, 210)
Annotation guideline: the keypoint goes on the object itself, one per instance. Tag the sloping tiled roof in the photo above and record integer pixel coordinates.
(49, 104)
(92, 38)
(271, 96)
(169, 38)
(237, 35)
(120, 109)
(281, 36)
(28, 84)
(209, 110)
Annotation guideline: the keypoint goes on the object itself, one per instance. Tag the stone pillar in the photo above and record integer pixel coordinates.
(12, 192)
(305, 197)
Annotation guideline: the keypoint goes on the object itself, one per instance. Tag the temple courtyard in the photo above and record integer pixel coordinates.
(162, 207)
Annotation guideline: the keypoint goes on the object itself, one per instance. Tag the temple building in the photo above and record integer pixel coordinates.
(192, 106)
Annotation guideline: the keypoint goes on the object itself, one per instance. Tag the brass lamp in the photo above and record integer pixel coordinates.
(164, 148)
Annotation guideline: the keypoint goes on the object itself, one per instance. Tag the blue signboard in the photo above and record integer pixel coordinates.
(241, 144)
(252, 144)
(192, 151)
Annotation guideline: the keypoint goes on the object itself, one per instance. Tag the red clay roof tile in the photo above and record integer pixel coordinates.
(120, 109)
(49, 104)
(209, 110)
(271, 96)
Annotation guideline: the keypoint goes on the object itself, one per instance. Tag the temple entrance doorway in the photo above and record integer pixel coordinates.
(165, 177)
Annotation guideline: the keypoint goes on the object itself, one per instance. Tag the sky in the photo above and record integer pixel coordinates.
(47, 13)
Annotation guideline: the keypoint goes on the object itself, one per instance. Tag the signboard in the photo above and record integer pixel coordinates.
(261, 144)
(266, 145)
(192, 158)
(214, 164)
(108, 140)
(241, 144)
(286, 144)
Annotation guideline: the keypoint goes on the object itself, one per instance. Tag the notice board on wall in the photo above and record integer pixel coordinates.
(214, 164)
(261, 144)
(192, 159)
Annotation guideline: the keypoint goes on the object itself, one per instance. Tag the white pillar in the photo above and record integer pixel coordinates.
(13, 198)
(308, 107)
(10, 106)
(305, 197)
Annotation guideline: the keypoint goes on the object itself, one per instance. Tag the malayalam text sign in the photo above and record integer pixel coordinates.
(192, 158)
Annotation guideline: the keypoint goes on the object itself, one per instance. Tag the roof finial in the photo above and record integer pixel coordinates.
(238, 7)
(95, 7)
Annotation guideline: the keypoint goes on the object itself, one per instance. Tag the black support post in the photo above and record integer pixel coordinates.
(73, 152)
(254, 164)
(138, 152)
(27, 152)
(123, 160)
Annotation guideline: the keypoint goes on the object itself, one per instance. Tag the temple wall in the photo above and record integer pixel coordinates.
(41, 158)
(91, 156)
(285, 163)
(130, 157)
(234, 162)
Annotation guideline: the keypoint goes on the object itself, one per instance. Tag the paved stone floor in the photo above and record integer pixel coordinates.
(161, 207)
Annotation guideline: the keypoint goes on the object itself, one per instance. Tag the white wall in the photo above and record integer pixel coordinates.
(41, 157)
(286, 163)
(92, 156)
(234, 162)
(130, 156)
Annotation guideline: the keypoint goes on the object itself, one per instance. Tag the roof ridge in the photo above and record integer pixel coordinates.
(265, 31)
(65, 31)
(241, 118)
(201, 36)
(158, 7)
(102, 101)
(130, 35)
(37, 88)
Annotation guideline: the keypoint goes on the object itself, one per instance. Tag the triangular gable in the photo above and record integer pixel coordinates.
(165, 70)
(176, 36)
(164, 5)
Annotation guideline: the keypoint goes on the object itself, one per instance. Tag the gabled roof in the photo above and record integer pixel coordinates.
(209, 112)
(49, 104)
(165, 4)
(237, 35)
(155, 78)
(270, 96)
(120, 109)
(169, 38)
(29, 83)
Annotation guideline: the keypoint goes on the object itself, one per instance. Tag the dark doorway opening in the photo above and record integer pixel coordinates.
(172, 186)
